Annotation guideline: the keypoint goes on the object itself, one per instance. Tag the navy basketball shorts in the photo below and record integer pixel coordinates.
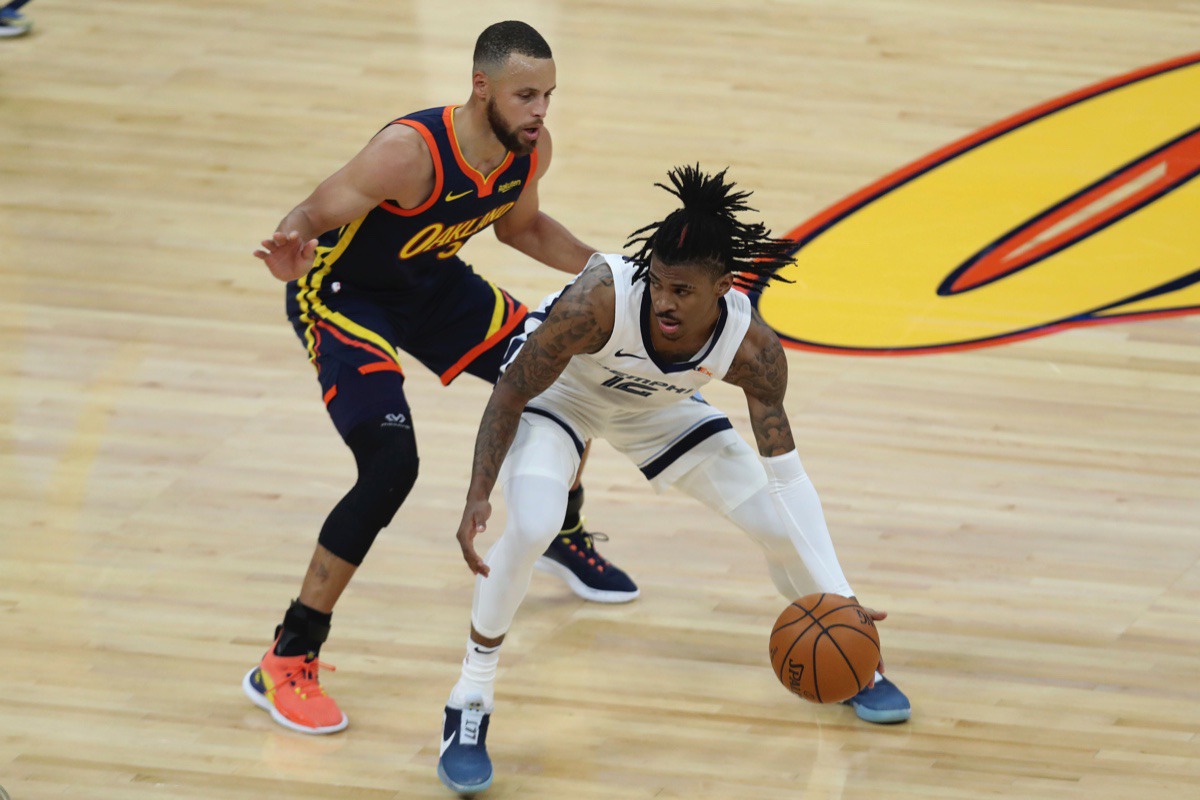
(354, 338)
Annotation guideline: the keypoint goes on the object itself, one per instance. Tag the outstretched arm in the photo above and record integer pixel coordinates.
(580, 322)
(537, 234)
(395, 165)
(760, 370)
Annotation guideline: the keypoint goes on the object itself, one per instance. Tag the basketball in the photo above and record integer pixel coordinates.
(825, 648)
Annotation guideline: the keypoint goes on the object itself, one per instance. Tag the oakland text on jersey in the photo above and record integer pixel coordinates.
(436, 235)
(643, 387)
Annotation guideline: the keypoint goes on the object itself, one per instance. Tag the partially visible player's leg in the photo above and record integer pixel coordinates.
(12, 21)
(476, 334)
(572, 556)
(362, 386)
(787, 521)
(536, 476)
(799, 549)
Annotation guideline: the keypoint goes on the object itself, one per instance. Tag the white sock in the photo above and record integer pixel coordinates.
(478, 676)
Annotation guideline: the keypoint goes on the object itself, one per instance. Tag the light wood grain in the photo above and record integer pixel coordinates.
(1028, 514)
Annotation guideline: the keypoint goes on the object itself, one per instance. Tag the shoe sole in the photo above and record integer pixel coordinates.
(579, 587)
(889, 717)
(458, 787)
(262, 702)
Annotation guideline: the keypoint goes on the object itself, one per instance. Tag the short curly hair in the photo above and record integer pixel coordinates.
(499, 41)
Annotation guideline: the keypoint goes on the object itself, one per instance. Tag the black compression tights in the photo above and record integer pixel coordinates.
(386, 454)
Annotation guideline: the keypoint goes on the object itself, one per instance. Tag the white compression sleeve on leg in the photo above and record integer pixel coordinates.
(537, 473)
(796, 501)
(536, 506)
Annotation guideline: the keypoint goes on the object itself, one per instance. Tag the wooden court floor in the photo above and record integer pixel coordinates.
(1026, 513)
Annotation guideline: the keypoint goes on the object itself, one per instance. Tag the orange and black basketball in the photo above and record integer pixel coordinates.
(825, 648)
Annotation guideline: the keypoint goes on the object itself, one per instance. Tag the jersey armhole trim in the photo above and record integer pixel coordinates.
(438, 177)
(618, 307)
(744, 322)
(533, 165)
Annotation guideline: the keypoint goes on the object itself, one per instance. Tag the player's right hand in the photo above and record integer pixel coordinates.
(877, 616)
(474, 522)
(286, 256)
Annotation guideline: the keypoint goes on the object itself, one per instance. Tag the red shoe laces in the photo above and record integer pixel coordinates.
(589, 547)
(305, 677)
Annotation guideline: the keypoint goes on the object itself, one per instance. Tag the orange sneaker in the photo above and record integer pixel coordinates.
(288, 687)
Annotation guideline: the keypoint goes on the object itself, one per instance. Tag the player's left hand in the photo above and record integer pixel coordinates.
(287, 256)
(474, 522)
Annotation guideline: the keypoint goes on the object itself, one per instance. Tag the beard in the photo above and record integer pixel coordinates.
(511, 139)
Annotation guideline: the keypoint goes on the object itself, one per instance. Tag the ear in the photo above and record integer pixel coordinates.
(723, 284)
(481, 85)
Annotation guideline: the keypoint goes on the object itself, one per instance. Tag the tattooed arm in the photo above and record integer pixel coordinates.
(580, 322)
(760, 370)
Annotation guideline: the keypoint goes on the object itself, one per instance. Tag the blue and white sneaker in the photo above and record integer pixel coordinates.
(572, 556)
(884, 703)
(464, 765)
(13, 23)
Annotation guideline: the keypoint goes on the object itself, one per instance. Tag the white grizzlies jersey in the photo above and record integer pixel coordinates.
(627, 374)
(649, 409)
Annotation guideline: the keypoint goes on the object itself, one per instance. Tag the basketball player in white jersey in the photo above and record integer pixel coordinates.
(620, 354)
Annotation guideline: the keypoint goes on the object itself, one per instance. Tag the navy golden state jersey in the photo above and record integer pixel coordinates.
(411, 251)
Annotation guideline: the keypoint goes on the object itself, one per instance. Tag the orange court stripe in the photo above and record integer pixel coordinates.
(1132, 186)
(806, 230)
(1170, 172)
(484, 185)
(485, 345)
(388, 205)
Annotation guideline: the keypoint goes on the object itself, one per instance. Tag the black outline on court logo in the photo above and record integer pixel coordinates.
(816, 226)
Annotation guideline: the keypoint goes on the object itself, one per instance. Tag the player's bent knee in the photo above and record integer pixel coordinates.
(536, 506)
(758, 517)
(387, 470)
(389, 474)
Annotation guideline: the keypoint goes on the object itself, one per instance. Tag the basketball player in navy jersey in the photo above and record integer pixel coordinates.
(621, 353)
(372, 265)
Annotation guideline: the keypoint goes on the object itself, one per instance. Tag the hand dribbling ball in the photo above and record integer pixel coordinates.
(825, 648)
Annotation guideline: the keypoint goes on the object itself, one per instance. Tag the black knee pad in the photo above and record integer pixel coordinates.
(386, 452)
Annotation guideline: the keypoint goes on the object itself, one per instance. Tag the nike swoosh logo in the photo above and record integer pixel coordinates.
(620, 354)
(446, 744)
(451, 196)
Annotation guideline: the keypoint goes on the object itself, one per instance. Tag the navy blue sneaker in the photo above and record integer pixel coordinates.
(464, 765)
(13, 23)
(572, 556)
(883, 704)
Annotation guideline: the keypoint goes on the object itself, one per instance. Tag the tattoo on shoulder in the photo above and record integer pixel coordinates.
(578, 323)
(596, 275)
(583, 315)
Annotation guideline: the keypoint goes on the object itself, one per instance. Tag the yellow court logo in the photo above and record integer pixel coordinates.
(1079, 211)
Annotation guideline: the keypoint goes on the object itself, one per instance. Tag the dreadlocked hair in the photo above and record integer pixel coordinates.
(706, 230)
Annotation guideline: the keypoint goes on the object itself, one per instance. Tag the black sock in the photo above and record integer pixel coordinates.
(574, 506)
(303, 631)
